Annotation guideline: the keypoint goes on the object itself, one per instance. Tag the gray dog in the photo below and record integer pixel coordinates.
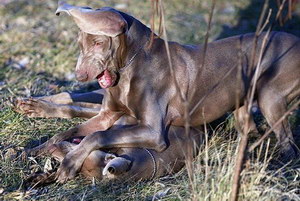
(127, 163)
(114, 49)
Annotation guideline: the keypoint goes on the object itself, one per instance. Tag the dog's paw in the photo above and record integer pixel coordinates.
(33, 107)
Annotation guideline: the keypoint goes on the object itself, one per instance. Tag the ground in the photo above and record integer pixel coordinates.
(38, 53)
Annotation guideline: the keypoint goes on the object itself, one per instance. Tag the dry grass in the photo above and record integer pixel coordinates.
(37, 56)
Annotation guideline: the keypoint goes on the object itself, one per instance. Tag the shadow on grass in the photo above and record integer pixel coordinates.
(248, 19)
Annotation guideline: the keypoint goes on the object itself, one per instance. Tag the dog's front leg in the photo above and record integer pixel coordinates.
(140, 135)
(103, 121)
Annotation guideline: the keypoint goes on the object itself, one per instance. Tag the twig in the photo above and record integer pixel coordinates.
(258, 30)
(206, 148)
(206, 40)
(239, 167)
(182, 97)
(259, 63)
(242, 149)
(257, 69)
(189, 148)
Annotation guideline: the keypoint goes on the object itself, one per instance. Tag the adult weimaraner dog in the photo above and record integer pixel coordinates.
(115, 50)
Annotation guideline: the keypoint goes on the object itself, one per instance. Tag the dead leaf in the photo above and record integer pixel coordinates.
(48, 166)
(160, 194)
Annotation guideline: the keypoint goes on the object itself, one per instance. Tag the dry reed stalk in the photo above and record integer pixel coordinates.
(255, 80)
(206, 148)
(290, 6)
(242, 147)
(183, 97)
(189, 148)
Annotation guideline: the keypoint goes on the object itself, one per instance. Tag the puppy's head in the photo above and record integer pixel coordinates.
(101, 40)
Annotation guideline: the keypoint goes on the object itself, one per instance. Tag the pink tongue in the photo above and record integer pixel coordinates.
(76, 140)
(104, 79)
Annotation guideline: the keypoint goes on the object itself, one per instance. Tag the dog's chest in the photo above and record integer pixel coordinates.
(121, 99)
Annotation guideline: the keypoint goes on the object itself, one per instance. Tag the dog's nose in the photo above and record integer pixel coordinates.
(81, 76)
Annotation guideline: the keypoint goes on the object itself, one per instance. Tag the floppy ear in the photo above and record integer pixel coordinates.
(104, 21)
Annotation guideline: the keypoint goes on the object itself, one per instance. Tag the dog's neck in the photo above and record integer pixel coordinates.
(132, 58)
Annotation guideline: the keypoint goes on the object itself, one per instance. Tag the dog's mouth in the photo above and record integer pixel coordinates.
(106, 79)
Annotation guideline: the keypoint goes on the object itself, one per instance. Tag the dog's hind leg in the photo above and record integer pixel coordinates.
(273, 106)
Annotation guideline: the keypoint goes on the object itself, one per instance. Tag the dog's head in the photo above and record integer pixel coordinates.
(101, 41)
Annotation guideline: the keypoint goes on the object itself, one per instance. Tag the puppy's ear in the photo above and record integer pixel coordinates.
(104, 21)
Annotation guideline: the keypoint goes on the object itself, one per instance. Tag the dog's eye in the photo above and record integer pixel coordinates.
(98, 43)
